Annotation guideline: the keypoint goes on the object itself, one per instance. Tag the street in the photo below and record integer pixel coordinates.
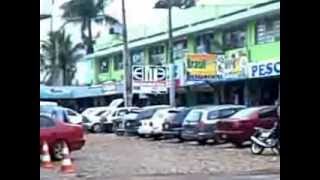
(107, 156)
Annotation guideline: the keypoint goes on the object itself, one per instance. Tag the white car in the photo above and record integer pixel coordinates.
(114, 114)
(92, 116)
(74, 116)
(154, 125)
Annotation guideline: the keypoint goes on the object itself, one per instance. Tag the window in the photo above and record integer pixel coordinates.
(268, 30)
(227, 113)
(179, 49)
(235, 38)
(137, 57)
(146, 114)
(71, 113)
(268, 113)
(118, 62)
(194, 116)
(104, 65)
(100, 113)
(157, 55)
(123, 112)
(46, 122)
(204, 43)
(245, 112)
(213, 115)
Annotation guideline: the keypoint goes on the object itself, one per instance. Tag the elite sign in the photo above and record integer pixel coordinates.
(150, 79)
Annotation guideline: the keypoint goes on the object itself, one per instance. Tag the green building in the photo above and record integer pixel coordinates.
(235, 31)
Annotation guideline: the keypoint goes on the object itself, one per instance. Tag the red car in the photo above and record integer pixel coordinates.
(56, 130)
(238, 128)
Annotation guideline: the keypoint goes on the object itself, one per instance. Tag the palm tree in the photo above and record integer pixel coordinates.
(85, 11)
(62, 67)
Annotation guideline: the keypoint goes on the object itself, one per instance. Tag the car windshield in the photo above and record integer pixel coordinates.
(146, 114)
(194, 116)
(47, 108)
(244, 113)
(181, 115)
(99, 113)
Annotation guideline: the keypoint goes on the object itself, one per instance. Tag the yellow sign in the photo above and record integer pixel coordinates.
(201, 66)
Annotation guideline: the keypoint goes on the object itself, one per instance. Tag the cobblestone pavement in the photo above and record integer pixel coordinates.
(106, 156)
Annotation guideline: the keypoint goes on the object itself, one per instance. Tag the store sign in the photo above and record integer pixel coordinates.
(264, 69)
(234, 64)
(150, 79)
(201, 67)
(179, 72)
(109, 87)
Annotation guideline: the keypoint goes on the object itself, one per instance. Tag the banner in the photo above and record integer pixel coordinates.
(149, 79)
(234, 65)
(264, 69)
(201, 67)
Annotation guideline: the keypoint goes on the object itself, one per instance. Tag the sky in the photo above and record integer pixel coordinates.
(139, 12)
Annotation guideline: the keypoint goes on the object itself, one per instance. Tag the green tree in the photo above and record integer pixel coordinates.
(85, 11)
(63, 68)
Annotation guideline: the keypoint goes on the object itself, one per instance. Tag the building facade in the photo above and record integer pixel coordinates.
(237, 47)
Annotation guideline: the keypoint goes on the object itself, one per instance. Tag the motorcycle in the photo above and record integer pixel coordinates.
(265, 138)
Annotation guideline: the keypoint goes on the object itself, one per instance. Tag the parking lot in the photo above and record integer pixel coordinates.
(107, 156)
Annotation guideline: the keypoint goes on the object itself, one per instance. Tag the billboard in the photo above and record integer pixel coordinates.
(150, 79)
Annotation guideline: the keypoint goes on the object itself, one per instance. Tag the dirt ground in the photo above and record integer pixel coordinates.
(107, 156)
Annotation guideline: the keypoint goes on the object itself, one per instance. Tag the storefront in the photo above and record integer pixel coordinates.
(264, 83)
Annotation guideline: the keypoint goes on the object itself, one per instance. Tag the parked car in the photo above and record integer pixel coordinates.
(107, 120)
(238, 128)
(173, 129)
(57, 130)
(132, 124)
(200, 124)
(92, 120)
(46, 103)
(74, 116)
(119, 124)
(154, 126)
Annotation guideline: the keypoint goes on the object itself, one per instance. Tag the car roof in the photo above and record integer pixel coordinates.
(129, 108)
(218, 107)
(155, 107)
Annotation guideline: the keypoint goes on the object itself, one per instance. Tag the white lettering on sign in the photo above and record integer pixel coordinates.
(149, 79)
(264, 69)
(149, 73)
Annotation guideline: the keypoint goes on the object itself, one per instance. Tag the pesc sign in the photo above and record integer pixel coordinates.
(150, 79)
(264, 69)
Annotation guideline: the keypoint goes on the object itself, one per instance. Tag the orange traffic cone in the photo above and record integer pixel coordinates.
(67, 166)
(45, 158)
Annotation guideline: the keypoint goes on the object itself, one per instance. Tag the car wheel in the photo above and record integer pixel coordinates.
(180, 139)
(219, 140)
(238, 144)
(256, 149)
(202, 142)
(157, 137)
(97, 128)
(118, 133)
(108, 128)
(57, 150)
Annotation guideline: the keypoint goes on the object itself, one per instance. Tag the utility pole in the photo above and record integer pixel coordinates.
(127, 94)
(168, 4)
(172, 90)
